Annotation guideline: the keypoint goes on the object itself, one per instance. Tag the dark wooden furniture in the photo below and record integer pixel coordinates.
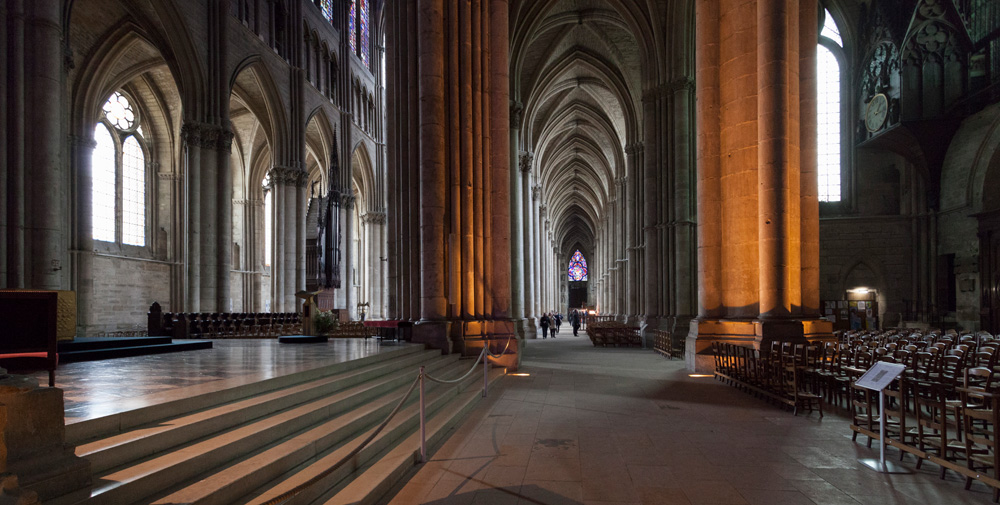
(28, 341)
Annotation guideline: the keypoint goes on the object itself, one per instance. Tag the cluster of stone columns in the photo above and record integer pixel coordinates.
(758, 239)
(289, 203)
(449, 202)
(33, 183)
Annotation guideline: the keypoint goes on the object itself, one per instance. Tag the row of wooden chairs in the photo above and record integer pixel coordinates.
(778, 375)
(665, 344)
(928, 420)
(614, 334)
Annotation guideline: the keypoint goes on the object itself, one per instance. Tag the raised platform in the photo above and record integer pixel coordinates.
(93, 349)
(303, 339)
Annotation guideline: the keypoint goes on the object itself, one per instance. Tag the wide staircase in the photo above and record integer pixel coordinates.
(262, 443)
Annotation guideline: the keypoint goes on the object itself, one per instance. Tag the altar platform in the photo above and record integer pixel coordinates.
(95, 389)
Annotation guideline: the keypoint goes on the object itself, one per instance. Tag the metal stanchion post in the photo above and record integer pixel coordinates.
(486, 369)
(423, 422)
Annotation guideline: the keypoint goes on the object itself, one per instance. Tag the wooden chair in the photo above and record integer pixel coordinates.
(980, 423)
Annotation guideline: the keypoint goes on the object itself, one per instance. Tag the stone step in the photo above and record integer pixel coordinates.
(148, 440)
(137, 481)
(385, 473)
(444, 408)
(137, 350)
(83, 432)
(283, 466)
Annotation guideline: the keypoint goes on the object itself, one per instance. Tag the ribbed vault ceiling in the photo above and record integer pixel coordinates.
(575, 67)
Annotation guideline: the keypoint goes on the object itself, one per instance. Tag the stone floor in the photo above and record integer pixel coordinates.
(98, 388)
(603, 426)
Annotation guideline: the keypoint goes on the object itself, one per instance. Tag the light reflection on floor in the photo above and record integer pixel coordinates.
(99, 388)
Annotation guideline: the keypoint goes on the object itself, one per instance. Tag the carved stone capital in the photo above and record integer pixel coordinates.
(373, 217)
(191, 133)
(347, 201)
(516, 114)
(524, 160)
(536, 191)
(224, 142)
(682, 84)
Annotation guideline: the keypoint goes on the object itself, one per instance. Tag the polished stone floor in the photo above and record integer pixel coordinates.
(626, 426)
(98, 388)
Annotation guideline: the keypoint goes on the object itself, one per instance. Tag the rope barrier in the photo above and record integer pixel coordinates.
(423, 451)
(325, 473)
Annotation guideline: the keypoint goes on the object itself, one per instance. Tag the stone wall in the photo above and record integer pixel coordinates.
(123, 290)
(874, 252)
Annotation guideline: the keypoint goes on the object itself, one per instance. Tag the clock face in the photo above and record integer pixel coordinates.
(876, 112)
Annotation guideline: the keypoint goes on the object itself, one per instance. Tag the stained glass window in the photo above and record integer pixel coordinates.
(828, 115)
(577, 267)
(327, 6)
(364, 34)
(351, 27)
(103, 189)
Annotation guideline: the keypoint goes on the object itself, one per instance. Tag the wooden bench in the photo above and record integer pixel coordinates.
(28, 339)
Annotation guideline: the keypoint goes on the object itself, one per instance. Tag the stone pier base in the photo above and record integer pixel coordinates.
(756, 333)
(33, 445)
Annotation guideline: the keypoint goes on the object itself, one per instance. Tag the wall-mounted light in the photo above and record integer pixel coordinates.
(860, 291)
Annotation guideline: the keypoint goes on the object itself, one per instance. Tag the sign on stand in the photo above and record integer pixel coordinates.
(877, 378)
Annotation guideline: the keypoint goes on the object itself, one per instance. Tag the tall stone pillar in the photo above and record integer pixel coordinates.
(536, 263)
(530, 278)
(191, 135)
(43, 89)
(631, 235)
(457, 164)
(209, 195)
(83, 240)
(224, 238)
(749, 151)
(517, 221)
(288, 234)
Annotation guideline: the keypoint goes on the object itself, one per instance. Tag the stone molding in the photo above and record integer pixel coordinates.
(83, 141)
(168, 176)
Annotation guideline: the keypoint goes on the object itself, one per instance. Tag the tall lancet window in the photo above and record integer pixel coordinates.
(577, 267)
(327, 8)
(359, 30)
(268, 232)
(118, 194)
(830, 134)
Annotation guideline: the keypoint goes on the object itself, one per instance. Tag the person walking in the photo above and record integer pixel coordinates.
(553, 324)
(574, 321)
(544, 323)
(558, 322)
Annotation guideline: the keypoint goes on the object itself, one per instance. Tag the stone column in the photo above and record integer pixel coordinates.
(191, 135)
(225, 222)
(44, 91)
(809, 191)
(684, 272)
(209, 196)
(632, 297)
(530, 277)
(286, 217)
(749, 151)
(301, 208)
(83, 271)
(433, 172)
(347, 202)
(517, 218)
(536, 263)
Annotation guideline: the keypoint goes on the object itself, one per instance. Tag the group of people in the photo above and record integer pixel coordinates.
(551, 321)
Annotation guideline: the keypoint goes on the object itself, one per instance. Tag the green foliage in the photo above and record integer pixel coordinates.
(326, 322)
